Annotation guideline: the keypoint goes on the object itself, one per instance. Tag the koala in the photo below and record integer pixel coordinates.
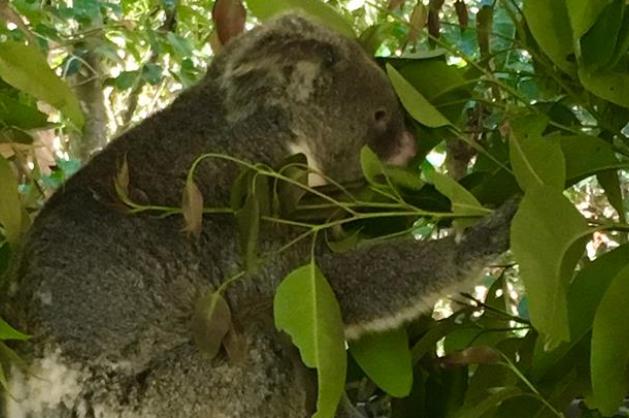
(108, 296)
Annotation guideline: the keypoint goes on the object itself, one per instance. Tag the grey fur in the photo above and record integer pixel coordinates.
(108, 296)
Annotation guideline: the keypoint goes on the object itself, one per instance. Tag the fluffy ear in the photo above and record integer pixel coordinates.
(285, 71)
(284, 62)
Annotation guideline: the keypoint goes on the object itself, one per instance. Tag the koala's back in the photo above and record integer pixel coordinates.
(109, 298)
(180, 383)
(109, 295)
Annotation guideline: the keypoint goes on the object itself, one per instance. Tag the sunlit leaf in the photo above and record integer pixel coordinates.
(536, 161)
(10, 205)
(583, 14)
(181, 46)
(550, 26)
(306, 309)
(26, 69)
(386, 359)
(126, 80)
(610, 346)
(316, 9)
(547, 251)
(7, 332)
(587, 155)
(414, 102)
(152, 73)
(463, 202)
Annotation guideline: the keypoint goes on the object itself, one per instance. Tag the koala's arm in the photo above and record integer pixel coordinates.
(382, 286)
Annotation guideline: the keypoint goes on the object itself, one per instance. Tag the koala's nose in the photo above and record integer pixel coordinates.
(405, 149)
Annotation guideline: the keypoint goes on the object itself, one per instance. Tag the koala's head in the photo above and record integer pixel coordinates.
(336, 98)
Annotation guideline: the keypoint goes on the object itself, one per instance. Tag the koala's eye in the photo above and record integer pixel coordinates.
(381, 119)
(329, 56)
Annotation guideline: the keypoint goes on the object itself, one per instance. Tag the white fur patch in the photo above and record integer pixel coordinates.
(302, 82)
(49, 383)
(424, 304)
(302, 146)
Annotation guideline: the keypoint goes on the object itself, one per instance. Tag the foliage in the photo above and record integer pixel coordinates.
(517, 96)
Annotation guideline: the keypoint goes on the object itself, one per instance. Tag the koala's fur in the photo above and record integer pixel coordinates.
(108, 296)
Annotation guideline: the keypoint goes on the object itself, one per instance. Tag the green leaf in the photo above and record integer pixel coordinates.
(256, 204)
(610, 346)
(305, 307)
(375, 35)
(210, 323)
(289, 195)
(547, 239)
(463, 202)
(404, 177)
(609, 85)
(248, 221)
(386, 359)
(126, 80)
(414, 102)
(583, 14)
(584, 296)
(181, 46)
(346, 242)
(435, 78)
(611, 184)
(26, 69)
(380, 175)
(7, 332)
(323, 13)
(191, 207)
(428, 343)
(15, 113)
(372, 167)
(491, 402)
(550, 26)
(587, 155)
(589, 286)
(15, 136)
(622, 44)
(536, 161)
(598, 44)
(10, 205)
